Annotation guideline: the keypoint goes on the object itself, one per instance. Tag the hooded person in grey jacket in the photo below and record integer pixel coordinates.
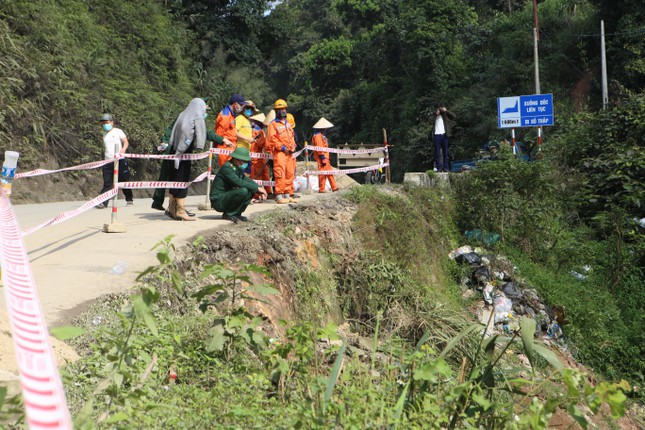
(188, 134)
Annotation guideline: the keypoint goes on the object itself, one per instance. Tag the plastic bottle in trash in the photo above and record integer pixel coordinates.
(172, 377)
(9, 170)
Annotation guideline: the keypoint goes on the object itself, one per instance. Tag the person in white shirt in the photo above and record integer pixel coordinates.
(441, 133)
(114, 138)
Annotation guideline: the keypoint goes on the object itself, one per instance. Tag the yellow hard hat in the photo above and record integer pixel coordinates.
(280, 104)
(291, 120)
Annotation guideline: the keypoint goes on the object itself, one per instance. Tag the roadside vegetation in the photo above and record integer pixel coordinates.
(393, 348)
(375, 334)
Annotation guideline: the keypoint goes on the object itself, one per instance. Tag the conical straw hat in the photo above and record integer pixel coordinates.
(259, 117)
(250, 104)
(323, 123)
(270, 117)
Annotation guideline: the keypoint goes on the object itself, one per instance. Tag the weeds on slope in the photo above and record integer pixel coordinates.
(158, 366)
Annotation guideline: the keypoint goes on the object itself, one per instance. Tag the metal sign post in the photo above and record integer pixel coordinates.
(207, 202)
(387, 157)
(114, 226)
(308, 190)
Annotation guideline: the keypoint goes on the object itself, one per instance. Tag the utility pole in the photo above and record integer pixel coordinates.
(537, 76)
(603, 60)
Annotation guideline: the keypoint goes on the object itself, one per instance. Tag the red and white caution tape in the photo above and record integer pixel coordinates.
(347, 151)
(86, 166)
(183, 157)
(42, 389)
(194, 157)
(256, 155)
(346, 171)
(71, 214)
(161, 184)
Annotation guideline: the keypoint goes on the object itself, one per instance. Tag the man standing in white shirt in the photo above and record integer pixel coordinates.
(114, 138)
(441, 132)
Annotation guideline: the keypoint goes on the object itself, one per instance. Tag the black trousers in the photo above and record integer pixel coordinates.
(441, 152)
(180, 175)
(124, 176)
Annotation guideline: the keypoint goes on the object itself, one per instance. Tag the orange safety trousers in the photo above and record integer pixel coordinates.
(260, 171)
(283, 171)
(322, 179)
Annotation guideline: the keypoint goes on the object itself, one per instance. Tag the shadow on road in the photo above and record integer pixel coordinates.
(69, 240)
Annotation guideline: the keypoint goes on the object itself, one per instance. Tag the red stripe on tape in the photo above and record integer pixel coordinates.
(36, 365)
(25, 322)
(43, 424)
(26, 348)
(41, 407)
(36, 391)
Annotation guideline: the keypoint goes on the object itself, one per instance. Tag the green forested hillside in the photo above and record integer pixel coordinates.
(366, 64)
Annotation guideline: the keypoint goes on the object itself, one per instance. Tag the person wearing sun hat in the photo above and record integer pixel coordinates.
(232, 190)
(321, 157)
(243, 125)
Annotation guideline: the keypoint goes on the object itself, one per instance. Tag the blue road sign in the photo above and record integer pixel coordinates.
(525, 111)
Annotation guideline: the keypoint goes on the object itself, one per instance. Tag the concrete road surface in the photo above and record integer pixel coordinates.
(71, 261)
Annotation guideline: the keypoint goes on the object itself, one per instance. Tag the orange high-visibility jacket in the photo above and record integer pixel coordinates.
(259, 140)
(280, 133)
(320, 140)
(225, 124)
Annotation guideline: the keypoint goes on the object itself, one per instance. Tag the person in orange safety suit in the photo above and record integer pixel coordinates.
(322, 158)
(281, 142)
(292, 162)
(259, 168)
(225, 125)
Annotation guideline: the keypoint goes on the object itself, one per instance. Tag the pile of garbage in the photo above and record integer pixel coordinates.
(504, 294)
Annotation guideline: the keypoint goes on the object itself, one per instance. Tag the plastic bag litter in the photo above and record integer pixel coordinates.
(300, 183)
(486, 237)
(461, 250)
(503, 308)
(470, 258)
(488, 293)
(482, 275)
(119, 268)
(554, 331)
(512, 291)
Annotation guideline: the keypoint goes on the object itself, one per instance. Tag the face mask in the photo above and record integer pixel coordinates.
(248, 112)
(243, 166)
(107, 127)
(282, 114)
(238, 109)
(205, 115)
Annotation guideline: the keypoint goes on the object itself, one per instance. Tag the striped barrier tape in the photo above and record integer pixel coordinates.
(176, 185)
(192, 157)
(42, 389)
(71, 214)
(346, 171)
(109, 194)
(260, 182)
(38, 172)
(161, 184)
(347, 151)
(183, 157)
